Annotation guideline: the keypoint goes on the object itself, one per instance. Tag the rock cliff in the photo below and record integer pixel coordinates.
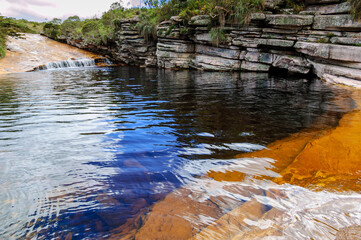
(322, 39)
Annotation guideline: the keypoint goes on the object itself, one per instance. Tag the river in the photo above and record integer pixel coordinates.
(133, 153)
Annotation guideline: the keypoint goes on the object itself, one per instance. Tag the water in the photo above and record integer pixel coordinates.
(85, 153)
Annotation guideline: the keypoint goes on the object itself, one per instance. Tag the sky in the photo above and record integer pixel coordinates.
(43, 10)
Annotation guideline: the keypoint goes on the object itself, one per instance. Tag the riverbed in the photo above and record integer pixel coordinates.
(133, 153)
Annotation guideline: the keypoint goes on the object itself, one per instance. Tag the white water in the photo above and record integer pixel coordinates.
(71, 63)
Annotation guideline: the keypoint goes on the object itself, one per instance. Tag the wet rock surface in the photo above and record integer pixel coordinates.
(31, 51)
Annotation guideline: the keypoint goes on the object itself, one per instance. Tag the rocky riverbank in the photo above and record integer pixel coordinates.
(323, 39)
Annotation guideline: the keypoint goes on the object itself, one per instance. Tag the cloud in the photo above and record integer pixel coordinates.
(136, 3)
(39, 10)
(32, 2)
(25, 13)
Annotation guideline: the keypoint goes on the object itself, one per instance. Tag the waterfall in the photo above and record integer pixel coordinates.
(76, 63)
(71, 63)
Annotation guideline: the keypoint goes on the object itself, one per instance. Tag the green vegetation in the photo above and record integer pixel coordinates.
(231, 10)
(322, 40)
(296, 5)
(147, 26)
(101, 30)
(218, 36)
(356, 9)
(12, 27)
(330, 35)
(92, 31)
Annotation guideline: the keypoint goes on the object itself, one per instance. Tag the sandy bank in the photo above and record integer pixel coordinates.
(34, 50)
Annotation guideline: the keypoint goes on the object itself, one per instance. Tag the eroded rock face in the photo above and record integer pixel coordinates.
(322, 35)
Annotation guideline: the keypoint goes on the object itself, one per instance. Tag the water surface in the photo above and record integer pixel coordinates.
(85, 153)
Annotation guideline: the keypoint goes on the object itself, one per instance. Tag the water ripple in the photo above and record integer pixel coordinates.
(86, 152)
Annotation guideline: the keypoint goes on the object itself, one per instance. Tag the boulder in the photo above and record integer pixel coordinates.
(200, 20)
(176, 19)
(293, 64)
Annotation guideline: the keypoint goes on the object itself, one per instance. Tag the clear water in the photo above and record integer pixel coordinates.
(85, 151)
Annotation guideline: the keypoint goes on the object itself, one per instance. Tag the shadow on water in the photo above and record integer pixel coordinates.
(87, 152)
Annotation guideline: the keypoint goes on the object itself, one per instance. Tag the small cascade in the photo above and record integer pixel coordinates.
(76, 63)
(71, 63)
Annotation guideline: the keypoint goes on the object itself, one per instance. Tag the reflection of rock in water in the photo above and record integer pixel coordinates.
(317, 158)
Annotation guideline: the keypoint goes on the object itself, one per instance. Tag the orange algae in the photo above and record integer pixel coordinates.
(330, 158)
(318, 157)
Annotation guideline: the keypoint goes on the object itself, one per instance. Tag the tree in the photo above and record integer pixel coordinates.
(154, 3)
(116, 5)
(56, 21)
(69, 25)
(73, 19)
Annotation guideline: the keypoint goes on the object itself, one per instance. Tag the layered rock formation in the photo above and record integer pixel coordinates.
(322, 39)
(127, 47)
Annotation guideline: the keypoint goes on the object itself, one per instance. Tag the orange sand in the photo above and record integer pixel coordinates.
(35, 50)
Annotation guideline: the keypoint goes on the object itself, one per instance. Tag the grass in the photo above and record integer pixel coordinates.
(218, 36)
(356, 9)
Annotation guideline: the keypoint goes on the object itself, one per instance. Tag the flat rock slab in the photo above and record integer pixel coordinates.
(176, 47)
(336, 22)
(344, 7)
(289, 20)
(211, 63)
(330, 51)
(219, 52)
